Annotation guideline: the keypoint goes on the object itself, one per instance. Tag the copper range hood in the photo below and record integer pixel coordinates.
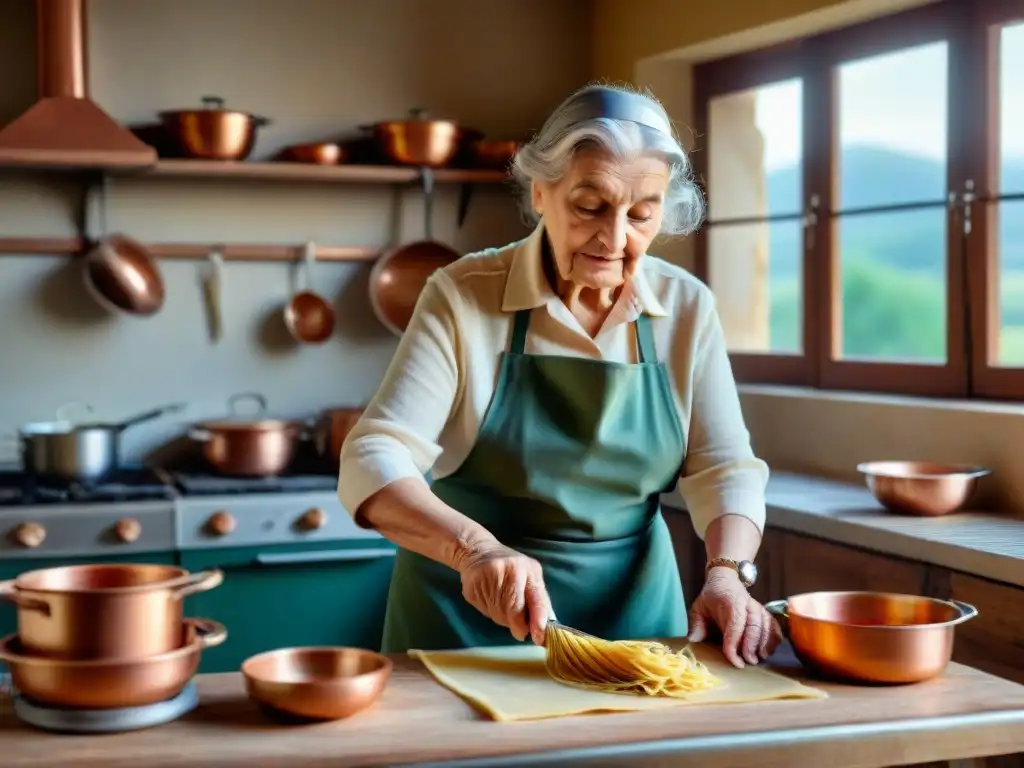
(64, 128)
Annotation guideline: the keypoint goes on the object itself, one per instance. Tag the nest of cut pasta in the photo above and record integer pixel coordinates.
(624, 666)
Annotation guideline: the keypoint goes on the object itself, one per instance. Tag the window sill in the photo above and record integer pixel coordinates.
(977, 543)
(898, 401)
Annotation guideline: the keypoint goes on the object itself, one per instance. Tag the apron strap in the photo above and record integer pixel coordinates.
(645, 340)
(644, 336)
(522, 323)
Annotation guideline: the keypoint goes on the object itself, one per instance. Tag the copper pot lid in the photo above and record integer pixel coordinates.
(240, 422)
(212, 105)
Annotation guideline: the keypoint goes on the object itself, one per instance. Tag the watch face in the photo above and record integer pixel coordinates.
(748, 572)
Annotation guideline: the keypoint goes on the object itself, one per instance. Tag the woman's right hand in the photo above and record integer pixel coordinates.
(507, 587)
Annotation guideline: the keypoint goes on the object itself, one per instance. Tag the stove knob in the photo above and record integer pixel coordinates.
(221, 523)
(313, 518)
(128, 530)
(29, 535)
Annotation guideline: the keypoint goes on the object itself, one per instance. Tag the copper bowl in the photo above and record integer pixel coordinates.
(317, 153)
(419, 141)
(872, 637)
(122, 276)
(326, 683)
(496, 154)
(921, 488)
(111, 684)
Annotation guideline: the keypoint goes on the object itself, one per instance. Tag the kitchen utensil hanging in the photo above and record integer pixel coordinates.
(398, 277)
(308, 315)
(120, 273)
(213, 277)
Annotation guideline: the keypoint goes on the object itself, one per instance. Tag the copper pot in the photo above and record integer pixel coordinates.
(418, 141)
(872, 637)
(921, 488)
(317, 683)
(248, 447)
(332, 427)
(213, 132)
(316, 153)
(111, 684)
(112, 612)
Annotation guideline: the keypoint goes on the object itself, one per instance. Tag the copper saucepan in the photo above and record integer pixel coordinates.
(120, 273)
(111, 684)
(248, 447)
(872, 637)
(398, 277)
(114, 612)
(317, 683)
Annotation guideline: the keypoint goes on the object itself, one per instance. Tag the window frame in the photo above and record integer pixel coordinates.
(971, 33)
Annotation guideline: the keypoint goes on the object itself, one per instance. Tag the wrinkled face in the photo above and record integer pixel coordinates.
(602, 215)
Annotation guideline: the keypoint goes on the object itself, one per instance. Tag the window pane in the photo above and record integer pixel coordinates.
(756, 272)
(892, 128)
(755, 140)
(893, 268)
(1011, 283)
(1011, 108)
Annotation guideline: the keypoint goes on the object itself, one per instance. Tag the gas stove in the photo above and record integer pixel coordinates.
(19, 488)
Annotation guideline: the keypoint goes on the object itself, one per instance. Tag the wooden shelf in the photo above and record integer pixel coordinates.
(276, 171)
(342, 174)
(70, 246)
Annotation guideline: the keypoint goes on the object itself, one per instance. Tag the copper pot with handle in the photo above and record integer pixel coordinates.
(113, 611)
(111, 684)
(248, 447)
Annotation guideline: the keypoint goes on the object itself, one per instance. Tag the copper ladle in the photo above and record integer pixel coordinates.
(308, 315)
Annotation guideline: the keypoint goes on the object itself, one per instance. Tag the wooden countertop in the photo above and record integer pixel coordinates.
(964, 713)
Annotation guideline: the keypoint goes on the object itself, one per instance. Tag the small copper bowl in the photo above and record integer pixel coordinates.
(319, 153)
(921, 488)
(325, 683)
(871, 637)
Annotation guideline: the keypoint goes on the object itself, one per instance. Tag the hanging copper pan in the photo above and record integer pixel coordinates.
(398, 277)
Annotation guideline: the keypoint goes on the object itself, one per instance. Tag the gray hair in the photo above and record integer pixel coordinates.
(573, 126)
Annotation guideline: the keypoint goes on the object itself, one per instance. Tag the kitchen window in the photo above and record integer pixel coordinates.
(866, 204)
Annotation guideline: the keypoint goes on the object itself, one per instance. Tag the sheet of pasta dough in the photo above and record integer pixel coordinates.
(511, 683)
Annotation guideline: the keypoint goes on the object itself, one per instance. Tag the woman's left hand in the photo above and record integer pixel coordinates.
(749, 632)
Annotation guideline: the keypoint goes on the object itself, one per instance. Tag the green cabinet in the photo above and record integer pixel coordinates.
(331, 593)
(11, 569)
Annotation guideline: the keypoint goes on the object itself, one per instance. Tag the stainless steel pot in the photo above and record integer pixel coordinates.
(66, 451)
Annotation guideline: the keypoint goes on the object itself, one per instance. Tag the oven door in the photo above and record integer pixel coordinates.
(327, 593)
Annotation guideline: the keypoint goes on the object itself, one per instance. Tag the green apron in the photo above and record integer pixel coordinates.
(568, 468)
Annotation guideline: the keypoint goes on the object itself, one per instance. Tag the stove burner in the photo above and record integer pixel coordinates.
(308, 472)
(18, 488)
(105, 720)
(214, 485)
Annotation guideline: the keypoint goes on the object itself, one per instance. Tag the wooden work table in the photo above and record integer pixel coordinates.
(963, 714)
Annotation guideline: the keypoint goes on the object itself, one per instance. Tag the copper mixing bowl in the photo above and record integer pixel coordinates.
(921, 488)
(872, 637)
(325, 683)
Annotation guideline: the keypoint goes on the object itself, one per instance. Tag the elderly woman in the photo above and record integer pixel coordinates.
(554, 388)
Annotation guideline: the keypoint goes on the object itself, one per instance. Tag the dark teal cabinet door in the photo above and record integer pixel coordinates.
(280, 597)
(11, 569)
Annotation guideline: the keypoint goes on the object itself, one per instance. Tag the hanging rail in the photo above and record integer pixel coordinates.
(72, 246)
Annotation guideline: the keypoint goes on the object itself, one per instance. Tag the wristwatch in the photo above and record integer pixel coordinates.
(745, 569)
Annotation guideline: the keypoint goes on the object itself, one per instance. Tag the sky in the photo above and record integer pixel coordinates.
(895, 101)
